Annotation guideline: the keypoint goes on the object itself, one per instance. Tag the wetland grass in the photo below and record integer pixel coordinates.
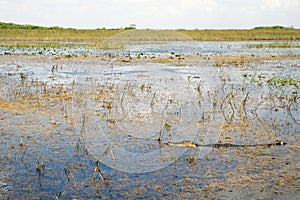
(254, 112)
(97, 38)
(57, 38)
(274, 45)
(244, 35)
(60, 45)
(70, 35)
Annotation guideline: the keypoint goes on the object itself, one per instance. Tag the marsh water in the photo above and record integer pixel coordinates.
(79, 123)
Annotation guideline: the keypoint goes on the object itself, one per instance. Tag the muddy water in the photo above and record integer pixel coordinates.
(84, 127)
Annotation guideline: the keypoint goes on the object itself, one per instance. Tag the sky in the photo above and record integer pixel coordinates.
(153, 14)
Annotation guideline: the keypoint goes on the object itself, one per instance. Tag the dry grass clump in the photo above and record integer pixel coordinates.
(221, 60)
(12, 107)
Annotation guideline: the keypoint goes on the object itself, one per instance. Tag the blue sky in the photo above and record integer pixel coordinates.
(171, 14)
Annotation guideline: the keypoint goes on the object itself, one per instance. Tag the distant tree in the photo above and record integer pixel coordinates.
(131, 26)
(55, 28)
(4, 25)
(273, 27)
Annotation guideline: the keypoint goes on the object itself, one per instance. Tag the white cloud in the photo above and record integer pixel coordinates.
(152, 13)
(279, 4)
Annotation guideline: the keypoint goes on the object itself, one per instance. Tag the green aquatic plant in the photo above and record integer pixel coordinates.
(259, 79)
(284, 81)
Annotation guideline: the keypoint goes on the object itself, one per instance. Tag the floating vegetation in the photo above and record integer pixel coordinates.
(284, 81)
(61, 45)
(274, 45)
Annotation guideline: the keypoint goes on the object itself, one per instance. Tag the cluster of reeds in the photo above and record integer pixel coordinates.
(261, 103)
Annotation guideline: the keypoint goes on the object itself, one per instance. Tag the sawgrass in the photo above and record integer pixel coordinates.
(75, 35)
(244, 35)
(96, 38)
(66, 35)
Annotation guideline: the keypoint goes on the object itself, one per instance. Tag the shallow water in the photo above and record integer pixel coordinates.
(58, 117)
(187, 48)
